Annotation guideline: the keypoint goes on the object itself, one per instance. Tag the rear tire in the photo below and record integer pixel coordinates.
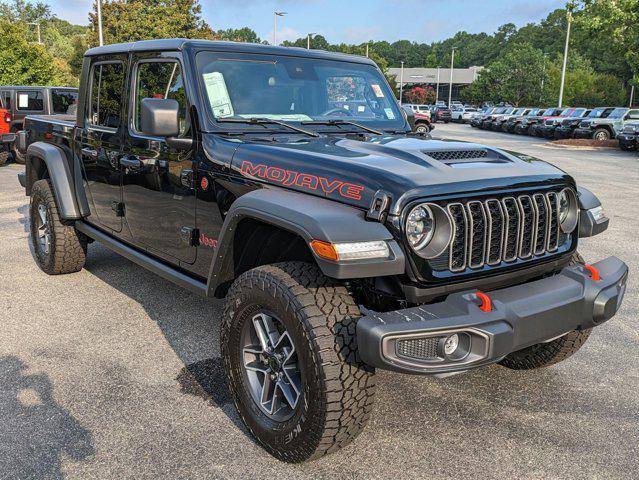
(58, 247)
(546, 354)
(18, 157)
(422, 128)
(336, 389)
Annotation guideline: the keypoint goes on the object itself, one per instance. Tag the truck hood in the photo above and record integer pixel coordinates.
(352, 170)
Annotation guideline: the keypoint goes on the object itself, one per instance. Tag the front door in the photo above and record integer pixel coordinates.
(99, 144)
(158, 197)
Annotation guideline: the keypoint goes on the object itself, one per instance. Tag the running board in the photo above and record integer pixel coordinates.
(146, 261)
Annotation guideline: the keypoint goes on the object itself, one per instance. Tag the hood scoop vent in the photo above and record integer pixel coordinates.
(452, 157)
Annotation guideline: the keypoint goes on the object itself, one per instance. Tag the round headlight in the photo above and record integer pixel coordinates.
(420, 226)
(568, 210)
(428, 230)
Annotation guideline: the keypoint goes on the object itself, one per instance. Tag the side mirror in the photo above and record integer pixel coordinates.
(160, 117)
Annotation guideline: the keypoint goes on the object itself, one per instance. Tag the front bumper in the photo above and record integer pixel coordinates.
(523, 129)
(563, 132)
(627, 140)
(520, 316)
(583, 133)
(547, 131)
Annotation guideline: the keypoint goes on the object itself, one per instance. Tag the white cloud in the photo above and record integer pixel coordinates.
(284, 33)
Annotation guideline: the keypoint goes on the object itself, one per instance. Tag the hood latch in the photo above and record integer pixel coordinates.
(379, 207)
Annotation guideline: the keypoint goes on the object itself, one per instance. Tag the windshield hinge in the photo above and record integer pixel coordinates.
(379, 207)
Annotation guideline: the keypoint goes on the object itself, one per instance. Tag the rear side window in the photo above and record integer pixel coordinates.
(30, 101)
(107, 82)
(6, 99)
(160, 80)
(64, 101)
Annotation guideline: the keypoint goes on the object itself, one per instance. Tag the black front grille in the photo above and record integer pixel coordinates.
(419, 349)
(444, 155)
(496, 230)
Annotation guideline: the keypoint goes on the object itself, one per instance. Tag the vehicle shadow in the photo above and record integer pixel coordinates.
(36, 431)
(189, 323)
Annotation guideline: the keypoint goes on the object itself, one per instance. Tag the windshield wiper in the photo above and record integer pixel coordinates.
(342, 122)
(266, 121)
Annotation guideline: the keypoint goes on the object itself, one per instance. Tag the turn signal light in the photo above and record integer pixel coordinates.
(325, 250)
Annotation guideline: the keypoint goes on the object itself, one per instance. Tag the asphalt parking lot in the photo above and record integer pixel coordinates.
(114, 373)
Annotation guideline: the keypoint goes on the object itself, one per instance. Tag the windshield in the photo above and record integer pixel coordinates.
(617, 113)
(596, 113)
(578, 112)
(294, 89)
(566, 112)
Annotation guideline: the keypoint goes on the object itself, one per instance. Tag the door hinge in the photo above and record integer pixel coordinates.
(118, 208)
(190, 236)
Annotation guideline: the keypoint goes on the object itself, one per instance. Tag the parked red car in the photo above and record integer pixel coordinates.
(7, 138)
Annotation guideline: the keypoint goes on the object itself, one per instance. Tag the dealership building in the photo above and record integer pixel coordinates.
(433, 77)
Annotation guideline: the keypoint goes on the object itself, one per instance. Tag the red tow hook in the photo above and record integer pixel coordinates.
(594, 273)
(486, 304)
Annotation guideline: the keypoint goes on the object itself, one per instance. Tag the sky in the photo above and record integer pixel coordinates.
(355, 21)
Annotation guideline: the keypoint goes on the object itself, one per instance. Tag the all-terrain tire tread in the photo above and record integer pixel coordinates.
(69, 247)
(330, 317)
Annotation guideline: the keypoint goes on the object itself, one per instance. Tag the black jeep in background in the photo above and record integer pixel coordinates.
(342, 243)
(21, 101)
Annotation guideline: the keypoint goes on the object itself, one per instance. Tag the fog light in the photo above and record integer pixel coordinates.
(451, 344)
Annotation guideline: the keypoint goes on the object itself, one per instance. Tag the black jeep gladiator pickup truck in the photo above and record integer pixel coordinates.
(287, 181)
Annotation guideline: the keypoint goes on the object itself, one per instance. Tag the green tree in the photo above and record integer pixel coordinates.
(515, 77)
(616, 22)
(22, 62)
(132, 20)
(237, 35)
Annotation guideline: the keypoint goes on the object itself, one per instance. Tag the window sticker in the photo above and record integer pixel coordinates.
(377, 90)
(389, 113)
(23, 100)
(218, 94)
(361, 108)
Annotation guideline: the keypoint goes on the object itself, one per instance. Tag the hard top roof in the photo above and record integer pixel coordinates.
(238, 47)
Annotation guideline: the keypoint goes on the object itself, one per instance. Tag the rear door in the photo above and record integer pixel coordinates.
(100, 141)
(157, 187)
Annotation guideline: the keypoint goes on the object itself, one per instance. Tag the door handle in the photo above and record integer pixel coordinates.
(90, 152)
(131, 162)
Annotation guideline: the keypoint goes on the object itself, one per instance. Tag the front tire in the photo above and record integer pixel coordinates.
(601, 134)
(336, 390)
(546, 354)
(422, 128)
(58, 247)
(18, 157)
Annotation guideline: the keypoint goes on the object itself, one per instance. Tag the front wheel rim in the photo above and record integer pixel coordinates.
(271, 366)
(601, 136)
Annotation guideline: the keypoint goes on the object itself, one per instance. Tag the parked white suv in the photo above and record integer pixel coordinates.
(462, 114)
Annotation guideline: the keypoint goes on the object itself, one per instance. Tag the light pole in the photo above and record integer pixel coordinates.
(37, 24)
(308, 40)
(437, 92)
(401, 83)
(366, 49)
(632, 95)
(100, 37)
(275, 15)
(563, 67)
(452, 64)
(543, 79)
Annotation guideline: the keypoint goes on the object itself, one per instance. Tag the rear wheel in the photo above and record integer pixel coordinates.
(58, 247)
(18, 157)
(601, 134)
(290, 354)
(549, 353)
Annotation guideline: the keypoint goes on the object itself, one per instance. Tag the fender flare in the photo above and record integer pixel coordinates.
(588, 225)
(61, 178)
(311, 218)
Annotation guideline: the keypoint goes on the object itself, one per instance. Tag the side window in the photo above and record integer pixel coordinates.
(633, 115)
(160, 80)
(31, 101)
(64, 101)
(107, 81)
